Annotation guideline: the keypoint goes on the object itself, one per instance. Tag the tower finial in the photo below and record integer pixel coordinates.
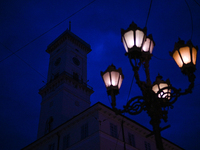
(69, 25)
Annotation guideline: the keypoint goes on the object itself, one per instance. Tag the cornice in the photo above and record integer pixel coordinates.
(64, 78)
(98, 107)
(67, 35)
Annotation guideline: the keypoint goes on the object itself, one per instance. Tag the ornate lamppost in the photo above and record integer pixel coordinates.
(158, 97)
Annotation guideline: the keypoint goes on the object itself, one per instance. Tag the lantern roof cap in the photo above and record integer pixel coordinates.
(133, 27)
(112, 68)
(159, 80)
(181, 43)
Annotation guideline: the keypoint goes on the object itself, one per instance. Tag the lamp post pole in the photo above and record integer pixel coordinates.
(158, 97)
(155, 122)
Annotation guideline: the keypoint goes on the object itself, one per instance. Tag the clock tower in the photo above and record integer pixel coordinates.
(66, 92)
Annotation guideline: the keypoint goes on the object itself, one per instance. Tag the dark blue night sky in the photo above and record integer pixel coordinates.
(99, 24)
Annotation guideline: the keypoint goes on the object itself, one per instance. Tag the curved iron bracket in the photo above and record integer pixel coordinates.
(135, 105)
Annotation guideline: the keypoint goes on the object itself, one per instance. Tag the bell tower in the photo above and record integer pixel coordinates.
(66, 92)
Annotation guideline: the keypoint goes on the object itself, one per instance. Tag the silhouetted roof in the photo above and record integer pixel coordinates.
(72, 35)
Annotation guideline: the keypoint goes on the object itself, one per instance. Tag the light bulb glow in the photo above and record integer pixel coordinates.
(129, 38)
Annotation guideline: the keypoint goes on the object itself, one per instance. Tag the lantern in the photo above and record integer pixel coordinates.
(112, 78)
(163, 87)
(185, 56)
(148, 45)
(133, 39)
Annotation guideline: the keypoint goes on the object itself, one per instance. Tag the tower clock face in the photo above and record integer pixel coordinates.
(76, 61)
(57, 62)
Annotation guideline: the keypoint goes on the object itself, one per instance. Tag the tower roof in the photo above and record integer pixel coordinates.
(68, 35)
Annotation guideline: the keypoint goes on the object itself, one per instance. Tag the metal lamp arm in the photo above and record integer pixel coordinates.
(136, 75)
(134, 106)
(191, 78)
(113, 103)
(175, 93)
(146, 67)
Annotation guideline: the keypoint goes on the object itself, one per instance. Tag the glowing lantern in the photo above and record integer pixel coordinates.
(133, 39)
(148, 44)
(112, 78)
(163, 87)
(185, 56)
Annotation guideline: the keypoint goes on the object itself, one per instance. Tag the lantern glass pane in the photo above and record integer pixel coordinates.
(164, 93)
(169, 94)
(194, 55)
(120, 82)
(163, 85)
(124, 43)
(151, 48)
(155, 88)
(185, 54)
(139, 38)
(146, 45)
(106, 79)
(115, 78)
(129, 39)
(177, 59)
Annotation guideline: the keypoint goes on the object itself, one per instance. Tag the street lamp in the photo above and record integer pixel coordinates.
(112, 78)
(148, 44)
(185, 56)
(158, 97)
(136, 42)
(162, 88)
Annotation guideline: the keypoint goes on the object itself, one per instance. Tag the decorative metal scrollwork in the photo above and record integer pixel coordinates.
(134, 105)
(168, 96)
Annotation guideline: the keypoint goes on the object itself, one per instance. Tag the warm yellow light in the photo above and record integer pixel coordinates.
(177, 59)
(185, 54)
(194, 55)
(155, 88)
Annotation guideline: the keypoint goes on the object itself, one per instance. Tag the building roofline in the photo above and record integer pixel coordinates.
(99, 103)
(136, 123)
(67, 34)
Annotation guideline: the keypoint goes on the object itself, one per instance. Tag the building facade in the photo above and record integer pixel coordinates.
(68, 122)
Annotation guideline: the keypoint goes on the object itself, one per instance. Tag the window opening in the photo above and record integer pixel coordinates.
(113, 130)
(84, 131)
